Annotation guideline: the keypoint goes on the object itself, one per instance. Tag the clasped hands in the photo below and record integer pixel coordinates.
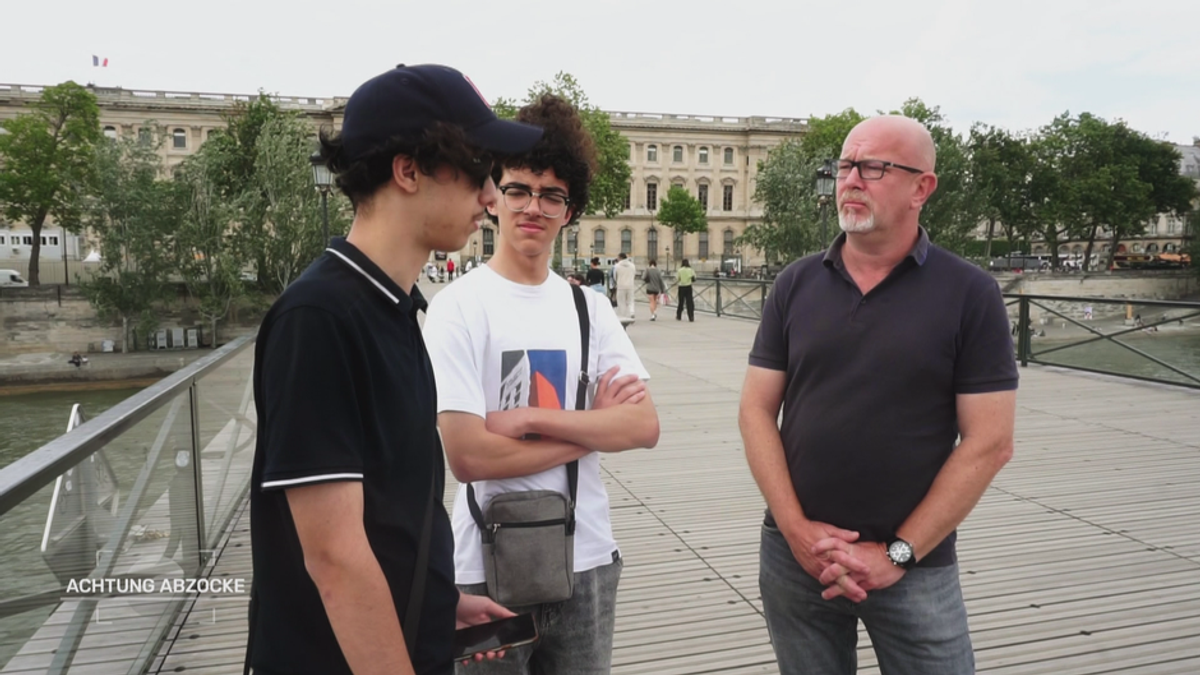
(840, 562)
(610, 391)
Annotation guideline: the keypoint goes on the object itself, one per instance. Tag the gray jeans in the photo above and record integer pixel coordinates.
(917, 627)
(574, 637)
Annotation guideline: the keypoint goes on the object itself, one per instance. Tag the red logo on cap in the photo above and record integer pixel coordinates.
(477, 92)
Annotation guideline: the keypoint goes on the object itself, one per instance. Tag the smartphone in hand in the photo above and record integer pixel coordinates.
(494, 636)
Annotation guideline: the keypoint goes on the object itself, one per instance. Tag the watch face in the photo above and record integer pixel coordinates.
(900, 551)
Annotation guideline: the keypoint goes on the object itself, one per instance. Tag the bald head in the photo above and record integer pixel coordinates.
(907, 138)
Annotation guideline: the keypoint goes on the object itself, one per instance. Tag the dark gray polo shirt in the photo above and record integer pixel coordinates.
(869, 411)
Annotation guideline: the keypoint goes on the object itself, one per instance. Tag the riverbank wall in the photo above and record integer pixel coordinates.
(59, 319)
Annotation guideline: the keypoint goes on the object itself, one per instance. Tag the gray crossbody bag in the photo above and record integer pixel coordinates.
(529, 537)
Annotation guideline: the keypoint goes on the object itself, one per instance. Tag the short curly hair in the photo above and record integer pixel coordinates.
(565, 146)
(441, 144)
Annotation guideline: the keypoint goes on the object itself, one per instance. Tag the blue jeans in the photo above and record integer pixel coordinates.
(917, 627)
(575, 637)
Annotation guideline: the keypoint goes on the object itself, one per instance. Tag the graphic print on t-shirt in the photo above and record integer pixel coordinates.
(535, 379)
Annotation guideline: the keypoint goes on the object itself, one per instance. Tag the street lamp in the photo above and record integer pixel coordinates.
(323, 179)
(475, 251)
(668, 247)
(573, 236)
(826, 185)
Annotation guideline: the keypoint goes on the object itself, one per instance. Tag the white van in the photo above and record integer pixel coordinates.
(12, 279)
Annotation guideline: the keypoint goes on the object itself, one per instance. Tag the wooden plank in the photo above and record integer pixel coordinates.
(1082, 559)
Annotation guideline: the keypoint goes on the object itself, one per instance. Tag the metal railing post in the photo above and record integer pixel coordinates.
(197, 473)
(1023, 337)
(718, 296)
(762, 303)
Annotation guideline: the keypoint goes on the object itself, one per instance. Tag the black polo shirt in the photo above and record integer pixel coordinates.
(869, 411)
(344, 391)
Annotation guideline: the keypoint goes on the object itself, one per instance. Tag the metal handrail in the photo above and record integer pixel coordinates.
(27, 475)
(1025, 353)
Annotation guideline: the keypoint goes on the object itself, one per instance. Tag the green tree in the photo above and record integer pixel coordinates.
(999, 169)
(206, 251)
(134, 214)
(613, 174)
(682, 213)
(786, 187)
(825, 135)
(1115, 179)
(292, 235)
(232, 167)
(46, 160)
(951, 214)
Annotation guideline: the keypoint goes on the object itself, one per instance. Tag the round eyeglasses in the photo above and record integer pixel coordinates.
(518, 197)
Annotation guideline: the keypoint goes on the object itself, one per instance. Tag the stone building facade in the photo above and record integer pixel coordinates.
(714, 158)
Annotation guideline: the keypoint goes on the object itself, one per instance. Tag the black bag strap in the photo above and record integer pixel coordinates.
(416, 598)
(585, 337)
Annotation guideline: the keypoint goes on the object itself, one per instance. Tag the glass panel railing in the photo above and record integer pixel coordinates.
(227, 433)
(100, 530)
(121, 521)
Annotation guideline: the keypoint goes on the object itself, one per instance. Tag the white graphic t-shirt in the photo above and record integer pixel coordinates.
(498, 345)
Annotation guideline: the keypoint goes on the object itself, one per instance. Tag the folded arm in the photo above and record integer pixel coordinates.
(475, 452)
(356, 595)
(622, 417)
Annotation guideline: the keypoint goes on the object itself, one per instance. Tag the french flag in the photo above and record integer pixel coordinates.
(99, 62)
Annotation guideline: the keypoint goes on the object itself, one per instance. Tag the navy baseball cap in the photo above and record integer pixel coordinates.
(407, 100)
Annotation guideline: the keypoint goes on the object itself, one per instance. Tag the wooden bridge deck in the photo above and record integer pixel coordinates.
(1083, 558)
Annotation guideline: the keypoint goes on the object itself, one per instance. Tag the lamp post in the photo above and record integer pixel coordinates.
(668, 258)
(573, 244)
(323, 179)
(826, 185)
(475, 251)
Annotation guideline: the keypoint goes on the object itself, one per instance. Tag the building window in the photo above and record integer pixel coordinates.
(598, 241)
(179, 139)
(27, 239)
(704, 155)
(727, 199)
(110, 132)
(2, 240)
(728, 242)
(652, 196)
(572, 240)
(704, 245)
(652, 244)
(628, 198)
(627, 241)
(651, 153)
(49, 240)
(144, 136)
(728, 156)
(702, 195)
(1152, 248)
(489, 242)
(677, 154)
(1152, 227)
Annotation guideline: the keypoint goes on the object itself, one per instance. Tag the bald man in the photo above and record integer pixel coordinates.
(893, 363)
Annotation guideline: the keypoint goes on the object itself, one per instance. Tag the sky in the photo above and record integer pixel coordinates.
(1015, 64)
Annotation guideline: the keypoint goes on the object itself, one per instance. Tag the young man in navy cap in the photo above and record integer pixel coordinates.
(352, 548)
